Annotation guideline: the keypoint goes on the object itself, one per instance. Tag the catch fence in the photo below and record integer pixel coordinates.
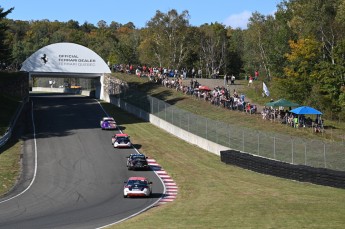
(285, 148)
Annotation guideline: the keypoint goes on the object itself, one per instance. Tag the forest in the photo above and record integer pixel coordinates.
(299, 51)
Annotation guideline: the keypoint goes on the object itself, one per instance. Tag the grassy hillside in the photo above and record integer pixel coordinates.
(215, 195)
(334, 130)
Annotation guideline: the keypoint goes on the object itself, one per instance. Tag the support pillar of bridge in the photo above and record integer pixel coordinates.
(101, 87)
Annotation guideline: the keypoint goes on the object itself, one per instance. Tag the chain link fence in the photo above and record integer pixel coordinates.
(285, 148)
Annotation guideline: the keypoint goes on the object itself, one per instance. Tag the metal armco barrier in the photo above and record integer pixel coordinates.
(5, 137)
(13, 122)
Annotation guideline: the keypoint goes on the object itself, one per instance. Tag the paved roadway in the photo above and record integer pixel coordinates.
(80, 176)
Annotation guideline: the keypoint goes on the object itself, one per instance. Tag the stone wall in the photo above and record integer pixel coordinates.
(113, 86)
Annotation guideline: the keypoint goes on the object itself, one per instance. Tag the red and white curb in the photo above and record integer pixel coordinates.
(170, 186)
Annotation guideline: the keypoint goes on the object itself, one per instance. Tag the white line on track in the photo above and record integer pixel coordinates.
(145, 209)
(35, 170)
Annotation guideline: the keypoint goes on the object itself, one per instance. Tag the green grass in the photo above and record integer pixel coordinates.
(215, 195)
(9, 166)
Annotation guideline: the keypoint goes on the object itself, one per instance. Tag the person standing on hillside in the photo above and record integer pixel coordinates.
(250, 82)
(256, 75)
(232, 80)
(200, 73)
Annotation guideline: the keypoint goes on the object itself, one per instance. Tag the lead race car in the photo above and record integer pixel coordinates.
(108, 123)
(137, 186)
(121, 141)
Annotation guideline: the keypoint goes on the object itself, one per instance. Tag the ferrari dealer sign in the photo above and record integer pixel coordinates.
(67, 58)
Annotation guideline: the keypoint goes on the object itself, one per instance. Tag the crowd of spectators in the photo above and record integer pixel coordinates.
(219, 96)
(173, 78)
(291, 119)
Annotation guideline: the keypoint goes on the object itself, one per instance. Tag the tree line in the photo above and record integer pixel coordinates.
(299, 51)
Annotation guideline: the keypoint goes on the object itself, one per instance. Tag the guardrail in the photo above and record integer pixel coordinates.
(13, 122)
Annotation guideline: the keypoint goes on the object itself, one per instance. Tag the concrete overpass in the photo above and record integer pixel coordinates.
(66, 60)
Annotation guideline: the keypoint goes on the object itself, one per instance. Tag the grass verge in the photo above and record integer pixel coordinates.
(9, 165)
(215, 195)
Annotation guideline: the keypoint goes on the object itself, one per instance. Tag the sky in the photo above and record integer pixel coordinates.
(234, 13)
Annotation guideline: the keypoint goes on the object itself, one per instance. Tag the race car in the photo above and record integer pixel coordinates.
(137, 161)
(121, 141)
(137, 186)
(108, 123)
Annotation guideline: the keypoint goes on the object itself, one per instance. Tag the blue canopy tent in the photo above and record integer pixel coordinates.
(305, 110)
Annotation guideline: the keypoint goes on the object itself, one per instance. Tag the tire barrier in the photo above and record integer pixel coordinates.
(302, 173)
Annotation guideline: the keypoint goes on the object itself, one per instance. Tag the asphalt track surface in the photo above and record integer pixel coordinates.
(77, 178)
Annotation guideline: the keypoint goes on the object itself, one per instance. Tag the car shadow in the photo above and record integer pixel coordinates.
(121, 128)
(155, 167)
(137, 146)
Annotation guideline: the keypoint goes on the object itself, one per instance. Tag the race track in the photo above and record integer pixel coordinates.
(79, 178)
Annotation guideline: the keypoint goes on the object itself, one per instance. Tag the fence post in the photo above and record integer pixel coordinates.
(229, 138)
(292, 161)
(206, 128)
(216, 132)
(324, 154)
(151, 105)
(305, 153)
(274, 147)
(258, 143)
(242, 140)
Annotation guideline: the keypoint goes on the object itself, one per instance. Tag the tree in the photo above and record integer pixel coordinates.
(102, 24)
(213, 44)
(167, 35)
(234, 61)
(125, 50)
(4, 50)
(301, 70)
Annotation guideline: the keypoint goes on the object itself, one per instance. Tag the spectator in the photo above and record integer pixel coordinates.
(256, 75)
(200, 73)
(250, 82)
(232, 80)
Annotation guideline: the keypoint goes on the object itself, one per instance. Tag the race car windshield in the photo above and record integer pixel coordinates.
(137, 182)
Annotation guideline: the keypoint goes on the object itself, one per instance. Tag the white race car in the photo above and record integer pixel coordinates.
(121, 141)
(137, 186)
(108, 123)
